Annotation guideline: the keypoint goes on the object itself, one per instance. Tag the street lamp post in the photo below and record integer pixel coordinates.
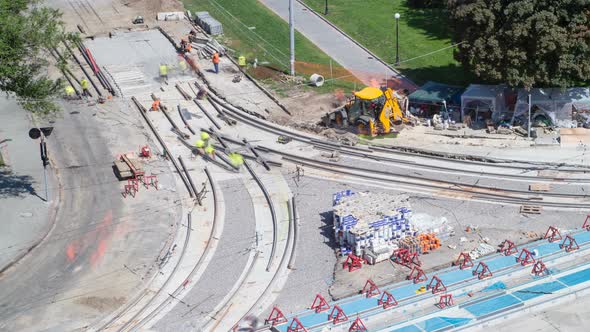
(292, 36)
(326, 8)
(397, 16)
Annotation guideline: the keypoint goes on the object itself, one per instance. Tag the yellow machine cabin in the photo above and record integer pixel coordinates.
(372, 112)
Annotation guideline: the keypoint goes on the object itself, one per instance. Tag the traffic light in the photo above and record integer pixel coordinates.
(35, 133)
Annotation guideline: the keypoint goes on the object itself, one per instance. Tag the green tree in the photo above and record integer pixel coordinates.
(427, 3)
(27, 33)
(524, 42)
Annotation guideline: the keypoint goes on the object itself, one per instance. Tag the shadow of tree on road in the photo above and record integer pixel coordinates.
(12, 185)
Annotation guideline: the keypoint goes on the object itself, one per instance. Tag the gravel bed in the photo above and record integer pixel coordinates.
(227, 264)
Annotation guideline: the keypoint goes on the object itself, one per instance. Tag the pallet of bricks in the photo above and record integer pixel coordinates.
(421, 244)
(411, 243)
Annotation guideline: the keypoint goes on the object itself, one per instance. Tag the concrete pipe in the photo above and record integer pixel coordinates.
(317, 80)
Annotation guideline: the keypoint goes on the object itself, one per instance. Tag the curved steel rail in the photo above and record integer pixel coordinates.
(132, 304)
(267, 126)
(310, 161)
(196, 267)
(282, 263)
(494, 197)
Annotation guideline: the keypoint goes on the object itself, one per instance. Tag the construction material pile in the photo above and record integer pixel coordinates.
(208, 23)
(421, 244)
(206, 47)
(424, 223)
(371, 224)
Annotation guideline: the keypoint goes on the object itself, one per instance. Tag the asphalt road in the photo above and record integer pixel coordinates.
(101, 247)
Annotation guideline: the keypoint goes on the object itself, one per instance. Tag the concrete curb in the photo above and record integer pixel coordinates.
(357, 43)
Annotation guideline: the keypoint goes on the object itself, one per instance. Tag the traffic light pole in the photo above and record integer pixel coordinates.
(46, 190)
(42, 133)
(45, 161)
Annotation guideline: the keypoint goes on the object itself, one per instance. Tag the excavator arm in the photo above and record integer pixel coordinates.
(391, 112)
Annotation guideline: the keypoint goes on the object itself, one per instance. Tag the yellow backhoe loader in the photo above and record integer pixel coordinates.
(372, 112)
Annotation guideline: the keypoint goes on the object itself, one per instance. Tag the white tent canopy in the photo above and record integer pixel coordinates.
(483, 98)
(553, 104)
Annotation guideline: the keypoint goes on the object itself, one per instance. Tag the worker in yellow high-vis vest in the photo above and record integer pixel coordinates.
(210, 151)
(85, 86)
(164, 72)
(200, 144)
(183, 66)
(204, 136)
(70, 92)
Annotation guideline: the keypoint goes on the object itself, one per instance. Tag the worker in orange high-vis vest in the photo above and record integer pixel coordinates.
(216, 62)
(156, 105)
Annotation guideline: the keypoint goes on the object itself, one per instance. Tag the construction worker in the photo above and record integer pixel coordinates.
(210, 151)
(84, 84)
(164, 72)
(200, 144)
(185, 45)
(205, 136)
(216, 62)
(156, 105)
(183, 66)
(70, 92)
(236, 159)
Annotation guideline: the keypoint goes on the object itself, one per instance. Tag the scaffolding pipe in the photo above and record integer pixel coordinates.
(221, 113)
(83, 70)
(207, 114)
(82, 48)
(190, 180)
(165, 112)
(294, 222)
(142, 110)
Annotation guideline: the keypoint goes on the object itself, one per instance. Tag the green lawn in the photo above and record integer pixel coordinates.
(254, 31)
(372, 24)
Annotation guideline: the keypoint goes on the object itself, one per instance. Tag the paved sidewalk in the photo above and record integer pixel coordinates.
(23, 210)
(341, 48)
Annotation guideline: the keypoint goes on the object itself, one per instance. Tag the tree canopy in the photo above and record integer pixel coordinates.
(524, 42)
(27, 32)
(427, 3)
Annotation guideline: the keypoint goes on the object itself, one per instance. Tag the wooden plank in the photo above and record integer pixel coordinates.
(531, 209)
(122, 166)
(129, 163)
(539, 187)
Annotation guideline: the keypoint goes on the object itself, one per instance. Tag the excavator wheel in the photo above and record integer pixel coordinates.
(361, 129)
(338, 119)
(397, 121)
